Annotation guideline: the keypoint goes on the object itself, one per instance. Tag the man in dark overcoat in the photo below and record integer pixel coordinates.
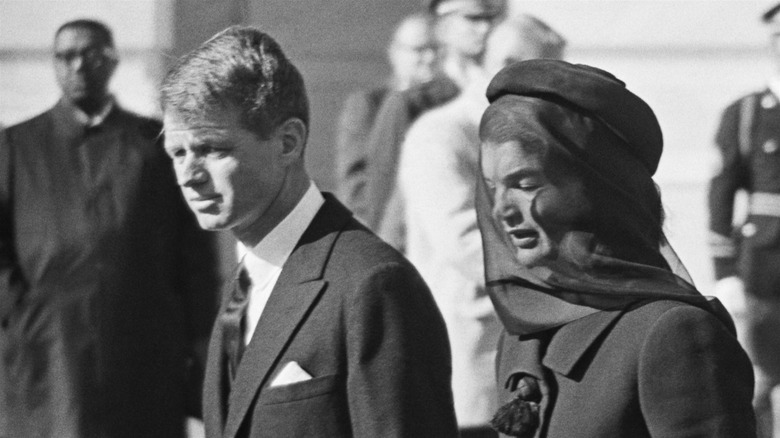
(412, 57)
(461, 28)
(106, 282)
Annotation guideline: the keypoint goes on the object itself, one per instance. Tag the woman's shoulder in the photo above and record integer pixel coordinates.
(667, 310)
(672, 316)
(675, 325)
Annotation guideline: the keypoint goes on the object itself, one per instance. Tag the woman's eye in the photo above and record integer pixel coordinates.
(527, 184)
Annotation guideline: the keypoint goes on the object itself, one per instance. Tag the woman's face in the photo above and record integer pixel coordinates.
(537, 199)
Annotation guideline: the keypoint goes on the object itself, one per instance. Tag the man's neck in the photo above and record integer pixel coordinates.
(92, 107)
(289, 196)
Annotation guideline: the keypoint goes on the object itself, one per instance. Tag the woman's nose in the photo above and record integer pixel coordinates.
(507, 208)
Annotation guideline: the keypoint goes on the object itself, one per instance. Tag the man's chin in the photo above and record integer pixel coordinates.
(211, 223)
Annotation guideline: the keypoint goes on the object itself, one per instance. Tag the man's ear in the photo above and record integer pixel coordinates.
(112, 59)
(293, 134)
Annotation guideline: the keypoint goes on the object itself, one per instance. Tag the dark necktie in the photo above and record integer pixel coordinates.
(232, 320)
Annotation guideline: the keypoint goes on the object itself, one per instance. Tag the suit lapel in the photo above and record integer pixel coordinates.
(294, 294)
(570, 343)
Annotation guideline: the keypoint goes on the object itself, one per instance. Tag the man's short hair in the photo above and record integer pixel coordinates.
(94, 26)
(239, 68)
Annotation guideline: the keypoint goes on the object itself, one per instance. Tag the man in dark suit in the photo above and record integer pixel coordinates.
(326, 331)
(748, 261)
(412, 57)
(106, 281)
(461, 28)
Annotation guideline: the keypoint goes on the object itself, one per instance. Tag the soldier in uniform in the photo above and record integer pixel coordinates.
(749, 258)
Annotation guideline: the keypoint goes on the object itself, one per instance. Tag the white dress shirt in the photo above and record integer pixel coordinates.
(92, 121)
(265, 261)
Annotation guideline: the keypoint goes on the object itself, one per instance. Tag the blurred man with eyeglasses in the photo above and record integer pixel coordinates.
(106, 281)
(412, 57)
(461, 28)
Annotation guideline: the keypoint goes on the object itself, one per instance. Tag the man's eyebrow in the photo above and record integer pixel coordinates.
(521, 172)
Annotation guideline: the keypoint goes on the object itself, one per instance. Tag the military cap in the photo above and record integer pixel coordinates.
(482, 7)
(591, 92)
(771, 14)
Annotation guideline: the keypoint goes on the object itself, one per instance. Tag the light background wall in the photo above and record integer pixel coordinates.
(688, 59)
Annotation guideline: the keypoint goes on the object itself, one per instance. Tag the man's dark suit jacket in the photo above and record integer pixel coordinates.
(352, 157)
(662, 369)
(380, 207)
(106, 281)
(358, 318)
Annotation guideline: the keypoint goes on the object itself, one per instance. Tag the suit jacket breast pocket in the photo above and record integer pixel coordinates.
(761, 232)
(307, 389)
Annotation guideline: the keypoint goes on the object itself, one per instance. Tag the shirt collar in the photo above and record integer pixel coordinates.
(774, 86)
(273, 251)
(92, 121)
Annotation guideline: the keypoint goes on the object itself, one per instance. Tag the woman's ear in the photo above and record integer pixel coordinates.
(293, 134)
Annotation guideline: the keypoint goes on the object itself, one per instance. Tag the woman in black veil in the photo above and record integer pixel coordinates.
(605, 335)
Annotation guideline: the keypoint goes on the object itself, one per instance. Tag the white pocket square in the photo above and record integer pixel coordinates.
(289, 374)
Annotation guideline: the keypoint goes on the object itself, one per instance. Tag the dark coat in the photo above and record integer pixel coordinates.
(357, 317)
(352, 156)
(393, 119)
(662, 369)
(106, 282)
(755, 256)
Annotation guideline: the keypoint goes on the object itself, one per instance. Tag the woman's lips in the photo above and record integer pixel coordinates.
(523, 238)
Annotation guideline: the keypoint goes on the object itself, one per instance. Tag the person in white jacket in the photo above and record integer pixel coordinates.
(437, 181)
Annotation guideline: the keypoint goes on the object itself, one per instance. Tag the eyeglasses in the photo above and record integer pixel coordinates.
(474, 16)
(417, 49)
(94, 56)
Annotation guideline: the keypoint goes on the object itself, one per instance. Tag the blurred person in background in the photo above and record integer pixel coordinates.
(412, 57)
(461, 28)
(437, 176)
(107, 285)
(747, 259)
(604, 333)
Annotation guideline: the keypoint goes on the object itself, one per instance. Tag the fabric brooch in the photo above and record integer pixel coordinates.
(520, 417)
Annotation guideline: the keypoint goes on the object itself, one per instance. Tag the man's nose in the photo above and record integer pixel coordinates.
(191, 172)
(428, 56)
(77, 63)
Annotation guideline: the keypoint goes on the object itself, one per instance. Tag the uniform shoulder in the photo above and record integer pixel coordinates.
(735, 104)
